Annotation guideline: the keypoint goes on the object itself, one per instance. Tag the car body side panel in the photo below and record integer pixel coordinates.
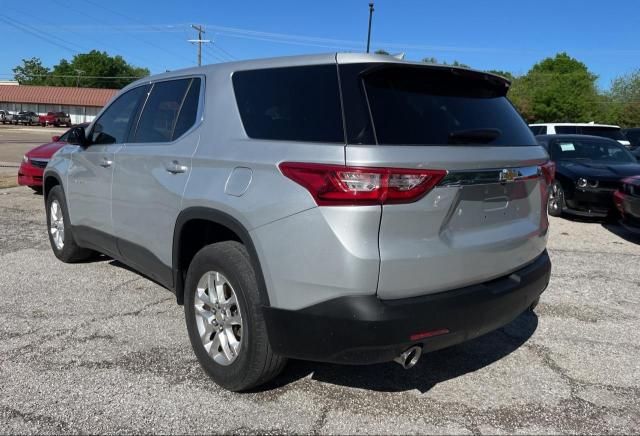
(319, 254)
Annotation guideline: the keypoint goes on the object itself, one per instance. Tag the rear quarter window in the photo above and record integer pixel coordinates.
(293, 103)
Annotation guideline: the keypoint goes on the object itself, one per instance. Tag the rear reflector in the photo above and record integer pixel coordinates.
(336, 185)
(429, 334)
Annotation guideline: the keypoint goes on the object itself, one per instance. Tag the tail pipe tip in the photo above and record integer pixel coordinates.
(409, 357)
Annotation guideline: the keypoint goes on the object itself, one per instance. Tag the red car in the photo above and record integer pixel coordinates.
(36, 159)
(627, 200)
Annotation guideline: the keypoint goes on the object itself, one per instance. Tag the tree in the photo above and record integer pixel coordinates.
(624, 99)
(381, 52)
(96, 69)
(31, 72)
(557, 89)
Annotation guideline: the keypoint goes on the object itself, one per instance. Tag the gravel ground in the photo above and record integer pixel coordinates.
(95, 348)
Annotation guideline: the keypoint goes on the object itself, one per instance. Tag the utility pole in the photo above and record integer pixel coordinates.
(369, 33)
(78, 72)
(199, 41)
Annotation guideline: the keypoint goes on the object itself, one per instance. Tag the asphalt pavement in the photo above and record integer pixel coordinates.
(96, 348)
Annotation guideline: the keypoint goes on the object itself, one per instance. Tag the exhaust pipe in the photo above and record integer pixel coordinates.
(410, 357)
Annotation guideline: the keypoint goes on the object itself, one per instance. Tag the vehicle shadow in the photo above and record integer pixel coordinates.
(433, 368)
(622, 232)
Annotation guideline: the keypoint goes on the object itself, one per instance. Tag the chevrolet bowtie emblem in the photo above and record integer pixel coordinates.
(508, 175)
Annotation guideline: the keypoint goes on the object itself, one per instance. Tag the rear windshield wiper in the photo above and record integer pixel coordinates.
(473, 136)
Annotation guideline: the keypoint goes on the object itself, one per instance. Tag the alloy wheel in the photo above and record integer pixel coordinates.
(56, 224)
(218, 318)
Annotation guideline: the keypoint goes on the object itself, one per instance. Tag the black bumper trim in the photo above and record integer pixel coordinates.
(365, 329)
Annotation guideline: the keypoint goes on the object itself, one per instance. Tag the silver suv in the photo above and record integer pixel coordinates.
(342, 208)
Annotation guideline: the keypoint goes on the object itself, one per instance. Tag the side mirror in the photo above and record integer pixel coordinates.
(55, 138)
(77, 137)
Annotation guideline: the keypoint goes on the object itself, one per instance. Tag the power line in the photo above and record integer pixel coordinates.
(98, 5)
(25, 28)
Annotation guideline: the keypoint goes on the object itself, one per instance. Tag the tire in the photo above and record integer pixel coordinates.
(68, 251)
(43, 125)
(254, 362)
(556, 203)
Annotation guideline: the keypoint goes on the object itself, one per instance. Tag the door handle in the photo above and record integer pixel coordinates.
(106, 163)
(175, 168)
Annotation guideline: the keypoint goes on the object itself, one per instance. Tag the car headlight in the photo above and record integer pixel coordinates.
(593, 183)
(581, 183)
(25, 159)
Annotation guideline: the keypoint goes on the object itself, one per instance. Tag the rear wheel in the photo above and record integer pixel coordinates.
(59, 229)
(224, 318)
(556, 202)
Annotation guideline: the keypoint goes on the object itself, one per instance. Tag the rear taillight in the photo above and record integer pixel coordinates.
(336, 185)
(548, 171)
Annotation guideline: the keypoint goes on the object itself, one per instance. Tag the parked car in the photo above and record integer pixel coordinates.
(604, 130)
(6, 116)
(295, 217)
(633, 136)
(627, 200)
(55, 118)
(26, 118)
(589, 169)
(36, 159)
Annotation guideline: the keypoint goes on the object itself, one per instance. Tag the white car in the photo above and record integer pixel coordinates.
(604, 130)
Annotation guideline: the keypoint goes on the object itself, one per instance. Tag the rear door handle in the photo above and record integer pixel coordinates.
(175, 168)
(106, 163)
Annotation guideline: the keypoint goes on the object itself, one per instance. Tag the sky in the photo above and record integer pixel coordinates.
(485, 34)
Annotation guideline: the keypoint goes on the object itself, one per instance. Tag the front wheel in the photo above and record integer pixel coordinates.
(224, 318)
(59, 229)
(556, 202)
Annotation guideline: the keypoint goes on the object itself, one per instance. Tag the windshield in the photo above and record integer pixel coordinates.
(437, 107)
(589, 150)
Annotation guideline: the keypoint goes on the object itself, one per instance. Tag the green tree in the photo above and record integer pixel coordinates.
(558, 89)
(623, 100)
(96, 69)
(31, 72)
(381, 52)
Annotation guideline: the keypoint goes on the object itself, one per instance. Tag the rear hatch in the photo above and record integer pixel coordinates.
(487, 216)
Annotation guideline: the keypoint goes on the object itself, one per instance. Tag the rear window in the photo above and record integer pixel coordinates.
(293, 103)
(428, 106)
(607, 132)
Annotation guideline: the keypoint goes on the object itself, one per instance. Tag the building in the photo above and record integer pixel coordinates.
(82, 104)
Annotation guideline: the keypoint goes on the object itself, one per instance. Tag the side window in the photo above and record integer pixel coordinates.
(113, 125)
(189, 110)
(566, 130)
(292, 103)
(160, 114)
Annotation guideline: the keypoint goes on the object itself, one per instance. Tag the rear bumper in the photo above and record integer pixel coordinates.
(364, 329)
